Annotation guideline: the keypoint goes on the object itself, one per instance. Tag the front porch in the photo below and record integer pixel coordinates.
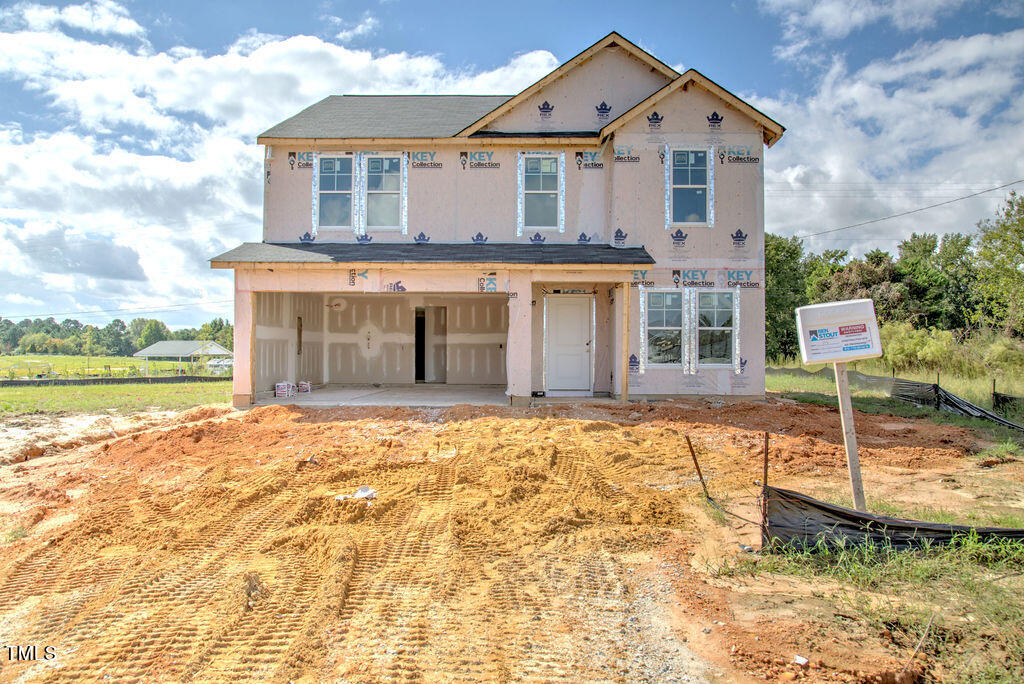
(423, 395)
(556, 322)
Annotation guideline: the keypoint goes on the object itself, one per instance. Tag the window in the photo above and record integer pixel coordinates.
(664, 327)
(335, 192)
(540, 193)
(383, 189)
(667, 336)
(714, 328)
(689, 186)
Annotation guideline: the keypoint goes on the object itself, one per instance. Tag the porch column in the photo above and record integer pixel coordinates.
(519, 345)
(622, 376)
(241, 384)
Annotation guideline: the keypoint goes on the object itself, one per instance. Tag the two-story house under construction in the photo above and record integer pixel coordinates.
(600, 233)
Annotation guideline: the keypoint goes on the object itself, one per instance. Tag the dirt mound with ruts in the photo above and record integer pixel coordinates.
(546, 543)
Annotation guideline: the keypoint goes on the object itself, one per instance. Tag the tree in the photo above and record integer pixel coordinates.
(115, 338)
(873, 278)
(209, 331)
(69, 327)
(226, 337)
(785, 290)
(10, 334)
(917, 269)
(956, 262)
(1000, 266)
(155, 331)
(91, 344)
(135, 329)
(819, 269)
(34, 343)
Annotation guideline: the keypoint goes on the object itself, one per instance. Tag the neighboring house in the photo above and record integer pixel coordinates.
(182, 349)
(601, 232)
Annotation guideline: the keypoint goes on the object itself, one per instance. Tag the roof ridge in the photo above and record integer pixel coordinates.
(419, 95)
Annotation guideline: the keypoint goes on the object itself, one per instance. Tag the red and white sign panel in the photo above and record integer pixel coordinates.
(838, 331)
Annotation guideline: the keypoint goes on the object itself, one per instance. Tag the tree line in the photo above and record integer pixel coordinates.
(47, 336)
(957, 284)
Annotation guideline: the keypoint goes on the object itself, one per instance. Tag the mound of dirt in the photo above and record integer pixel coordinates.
(501, 542)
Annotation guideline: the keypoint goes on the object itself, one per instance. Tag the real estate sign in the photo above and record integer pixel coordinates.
(838, 331)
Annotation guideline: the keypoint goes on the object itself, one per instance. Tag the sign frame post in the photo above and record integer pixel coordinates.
(838, 332)
(849, 436)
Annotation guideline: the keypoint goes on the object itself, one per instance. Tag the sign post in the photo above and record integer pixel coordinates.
(836, 333)
(849, 436)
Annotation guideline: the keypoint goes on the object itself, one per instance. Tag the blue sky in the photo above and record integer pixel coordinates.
(127, 151)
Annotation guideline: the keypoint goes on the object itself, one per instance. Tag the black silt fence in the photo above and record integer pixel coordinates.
(1007, 402)
(158, 380)
(797, 520)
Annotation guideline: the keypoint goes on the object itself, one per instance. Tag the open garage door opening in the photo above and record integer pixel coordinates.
(379, 339)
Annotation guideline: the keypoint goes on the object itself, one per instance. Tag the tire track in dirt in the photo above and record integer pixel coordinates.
(141, 621)
(487, 555)
(399, 595)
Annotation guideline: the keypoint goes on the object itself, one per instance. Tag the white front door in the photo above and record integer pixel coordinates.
(569, 343)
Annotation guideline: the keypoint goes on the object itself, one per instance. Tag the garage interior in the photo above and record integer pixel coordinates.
(379, 339)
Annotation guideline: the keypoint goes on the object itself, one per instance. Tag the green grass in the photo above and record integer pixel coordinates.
(895, 509)
(821, 390)
(124, 399)
(822, 383)
(972, 585)
(29, 365)
(1005, 452)
(977, 390)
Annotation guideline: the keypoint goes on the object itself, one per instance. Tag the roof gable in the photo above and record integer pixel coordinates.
(660, 72)
(771, 130)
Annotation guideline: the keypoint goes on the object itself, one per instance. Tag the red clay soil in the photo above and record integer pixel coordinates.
(562, 542)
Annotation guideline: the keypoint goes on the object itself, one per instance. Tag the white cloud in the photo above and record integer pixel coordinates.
(150, 166)
(366, 26)
(807, 21)
(935, 122)
(15, 298)
(99, 16)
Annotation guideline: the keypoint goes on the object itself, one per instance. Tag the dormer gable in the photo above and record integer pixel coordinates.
(771, 130)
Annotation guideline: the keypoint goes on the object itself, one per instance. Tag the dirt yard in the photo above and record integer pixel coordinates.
(568, 542)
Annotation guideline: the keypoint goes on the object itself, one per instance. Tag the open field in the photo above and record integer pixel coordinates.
(566, 542)
(822, 388)
(112, 398)
(22, 366)
(977, 390)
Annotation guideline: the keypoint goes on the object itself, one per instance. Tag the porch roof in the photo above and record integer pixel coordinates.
(435, 253)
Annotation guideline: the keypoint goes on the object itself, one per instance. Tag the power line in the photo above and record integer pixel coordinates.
(912, 211)
(172, 307)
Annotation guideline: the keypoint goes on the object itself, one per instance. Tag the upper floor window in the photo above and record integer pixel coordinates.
(361, 190)
(383, 192)
(689, 186)
(335, 192)
(540, 190)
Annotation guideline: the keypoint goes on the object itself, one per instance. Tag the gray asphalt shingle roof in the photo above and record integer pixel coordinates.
(183, 348)
(386, 116)
(440, 252)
